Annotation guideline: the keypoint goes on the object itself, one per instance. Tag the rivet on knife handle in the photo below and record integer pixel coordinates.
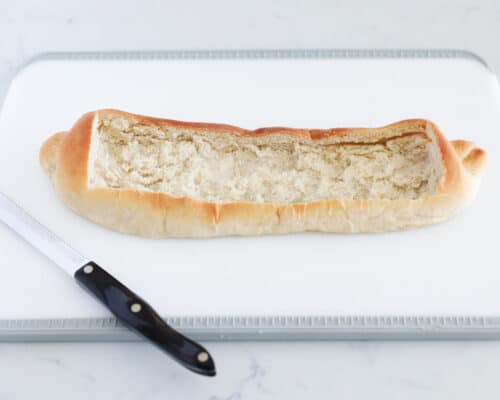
(140, 317)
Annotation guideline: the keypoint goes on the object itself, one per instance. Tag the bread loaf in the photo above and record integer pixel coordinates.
(159, 178)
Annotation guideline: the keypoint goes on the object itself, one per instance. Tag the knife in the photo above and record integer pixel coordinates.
(133, 311)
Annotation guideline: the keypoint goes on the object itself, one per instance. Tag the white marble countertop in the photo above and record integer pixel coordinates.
(294, 370)
(251, 370)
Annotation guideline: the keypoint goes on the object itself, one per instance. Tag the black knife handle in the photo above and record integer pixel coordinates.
(140, 317)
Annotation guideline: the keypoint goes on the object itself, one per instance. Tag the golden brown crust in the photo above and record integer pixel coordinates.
(475, 161)
(473, 158)
(49, 152)
(152, 214)
(462, 147)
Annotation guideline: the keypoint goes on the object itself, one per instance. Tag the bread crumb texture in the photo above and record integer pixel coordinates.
(276, 168)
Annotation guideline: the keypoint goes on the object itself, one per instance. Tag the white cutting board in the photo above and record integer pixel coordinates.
(452, 268)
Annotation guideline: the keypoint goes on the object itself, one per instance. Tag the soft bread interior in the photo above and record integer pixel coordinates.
(276, 168)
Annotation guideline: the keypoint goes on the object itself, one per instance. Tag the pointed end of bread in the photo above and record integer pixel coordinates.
(473, 158)
(49, 152)
(476, 161)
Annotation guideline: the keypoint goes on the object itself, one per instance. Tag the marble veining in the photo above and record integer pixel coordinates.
(254, 380)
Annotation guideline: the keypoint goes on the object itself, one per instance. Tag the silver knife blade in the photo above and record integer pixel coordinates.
(39, 236)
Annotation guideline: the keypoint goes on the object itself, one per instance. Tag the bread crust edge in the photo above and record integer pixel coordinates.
(64, 157)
